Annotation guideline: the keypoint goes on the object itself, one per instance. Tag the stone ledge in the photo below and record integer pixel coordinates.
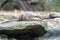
(23, 27)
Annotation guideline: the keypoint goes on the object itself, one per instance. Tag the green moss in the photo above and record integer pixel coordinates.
(54, 5)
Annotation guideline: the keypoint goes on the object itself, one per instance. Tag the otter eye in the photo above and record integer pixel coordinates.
(38, 16)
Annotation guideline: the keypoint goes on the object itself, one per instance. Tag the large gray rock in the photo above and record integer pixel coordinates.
(30, 27)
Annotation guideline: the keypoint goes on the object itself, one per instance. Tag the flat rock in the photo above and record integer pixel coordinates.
(22, 27)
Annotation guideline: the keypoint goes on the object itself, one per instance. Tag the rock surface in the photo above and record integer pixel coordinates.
(53, 32)
(29, 30)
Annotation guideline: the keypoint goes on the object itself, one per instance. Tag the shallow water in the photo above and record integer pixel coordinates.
(52, 34)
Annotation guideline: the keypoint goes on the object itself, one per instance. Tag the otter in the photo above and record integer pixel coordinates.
(25, 16)
(29, 16)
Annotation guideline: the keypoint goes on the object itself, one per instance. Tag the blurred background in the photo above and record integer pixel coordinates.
(30, 5)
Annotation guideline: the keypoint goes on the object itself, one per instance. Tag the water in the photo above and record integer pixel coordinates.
(52, 34)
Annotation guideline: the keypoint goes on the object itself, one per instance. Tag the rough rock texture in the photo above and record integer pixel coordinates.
(26, 30)
(32, 30)
(20, 29)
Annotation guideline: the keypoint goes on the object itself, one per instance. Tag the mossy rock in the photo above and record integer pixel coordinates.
(23, 27)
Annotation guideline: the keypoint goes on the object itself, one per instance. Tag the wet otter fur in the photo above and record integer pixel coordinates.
(29, 16)
(21, 16)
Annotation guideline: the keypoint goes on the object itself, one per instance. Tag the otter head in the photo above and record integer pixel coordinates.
(31, 16)
(35, 18)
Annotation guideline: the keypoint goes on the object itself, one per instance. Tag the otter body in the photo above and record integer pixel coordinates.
(23, 16)
(29, 16)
